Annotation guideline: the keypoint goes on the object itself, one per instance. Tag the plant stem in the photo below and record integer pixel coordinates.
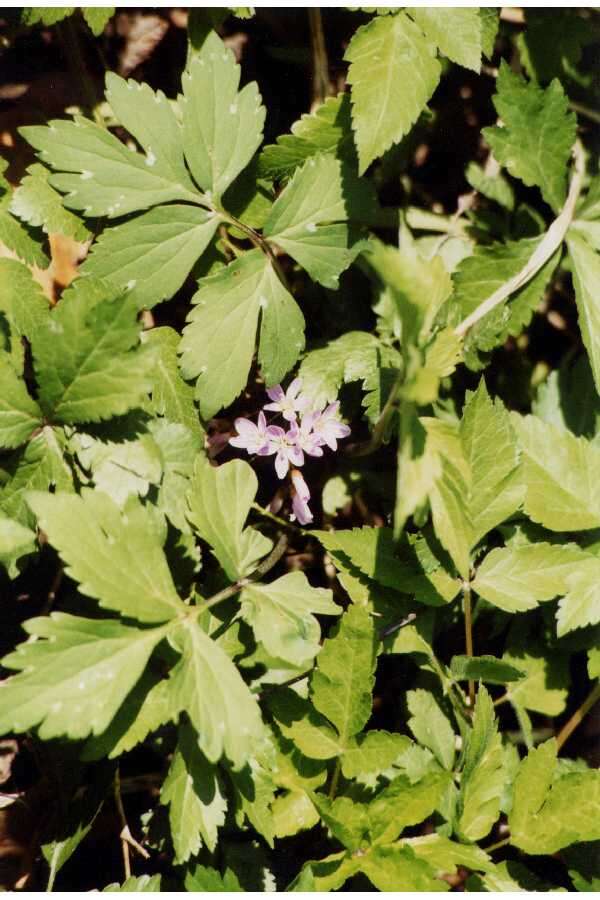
(376, 439)
(279, 521)
(469, 634)
(578, 716)
(335, 779)
(545, 249)
(123, 821)
(497, 845)
(271, 560)
(320, 67)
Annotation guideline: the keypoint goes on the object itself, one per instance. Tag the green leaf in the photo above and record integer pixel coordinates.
(120, 467)
(545, 687)
(449, 494)
(326, 130)
(586, 272)
(491, 453)
(151, 119)
(15, 541)
(17, 238)
(561, 474)
(302, 219)
(87, 357)
(581, 605)
(192, 790)
(20, 415)
(218, 343)
(480, 275)
(133, 884)
(388, 867)
(483, 776)
(549, 813)
(342, 683)
(22, 302)
(393, 73)
(281, 614)
(418, 287)
(494, 187)
(177, 447)
(100, 175)
(403, 804)
(38, 204)
(518, 578)
(373, 753)
(484, 668)
(222, 129)
(171, 396)
(219, 501)
(489, 29)
(529, 114)
(352, 357)
(445, 855)
(97, 17)
(74, 817)
(49, 15)
(38, 466)
(203, 879)
(73, 682)
(565, 31)
(116, 556)
(457, 32)
(151, 255)
(431, 727)
(568, 399)
(206, 684)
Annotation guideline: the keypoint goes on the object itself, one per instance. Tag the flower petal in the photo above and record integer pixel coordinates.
(245, 426)
(275, 393)
(282, 464)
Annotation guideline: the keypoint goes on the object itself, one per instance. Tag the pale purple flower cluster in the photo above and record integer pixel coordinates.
(314, 430)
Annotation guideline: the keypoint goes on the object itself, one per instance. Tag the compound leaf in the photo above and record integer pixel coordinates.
(97, 173)
(282, 616)
(116, 556)
(207, 685)
(219, 340)
(151, 255)
(222, 128)
(75, 674)
(219, 501)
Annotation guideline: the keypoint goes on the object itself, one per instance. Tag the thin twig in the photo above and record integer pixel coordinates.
(124, 825)
(320, 62)
(497, 845)
(548, 246)
(578, 716)
(469, 635)
(271, 560)
(278, 520)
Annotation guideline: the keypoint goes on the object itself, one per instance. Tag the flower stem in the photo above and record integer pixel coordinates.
(578, 716)
(271, 560)
(469, 634)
